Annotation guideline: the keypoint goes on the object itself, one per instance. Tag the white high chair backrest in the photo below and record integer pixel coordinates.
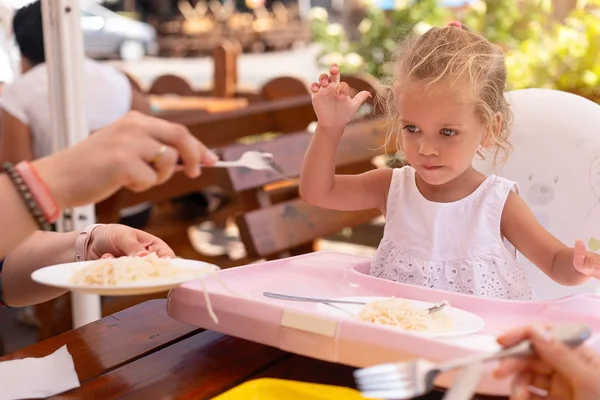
(556, 163)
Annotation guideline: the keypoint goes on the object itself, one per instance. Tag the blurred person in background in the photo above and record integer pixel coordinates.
(9, 54)
(26, 121)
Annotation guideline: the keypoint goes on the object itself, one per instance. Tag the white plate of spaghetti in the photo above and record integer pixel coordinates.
(123, 276)
(408, 315)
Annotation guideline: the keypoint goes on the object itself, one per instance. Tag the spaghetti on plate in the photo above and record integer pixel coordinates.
(405, 315)
(130, 270)
(142, 270)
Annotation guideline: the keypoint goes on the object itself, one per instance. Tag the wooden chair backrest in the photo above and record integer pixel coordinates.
(171, 84)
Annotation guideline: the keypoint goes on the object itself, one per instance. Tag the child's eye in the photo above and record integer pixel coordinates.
(448, 132)
(412, 129)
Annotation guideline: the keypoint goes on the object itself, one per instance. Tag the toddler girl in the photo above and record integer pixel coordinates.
(448, 226)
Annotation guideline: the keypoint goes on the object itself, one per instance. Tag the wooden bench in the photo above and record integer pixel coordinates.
(215, 130)
(272, 228)
(262, 202)
(282, 115)
(289, 110)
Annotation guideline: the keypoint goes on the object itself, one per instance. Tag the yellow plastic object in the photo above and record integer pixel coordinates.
(279, 389)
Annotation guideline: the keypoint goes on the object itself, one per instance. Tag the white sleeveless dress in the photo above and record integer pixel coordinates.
(456, 247)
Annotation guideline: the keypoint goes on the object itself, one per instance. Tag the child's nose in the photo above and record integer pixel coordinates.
(427, 148)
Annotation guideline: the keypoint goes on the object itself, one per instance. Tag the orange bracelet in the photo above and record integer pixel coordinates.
(40, 192)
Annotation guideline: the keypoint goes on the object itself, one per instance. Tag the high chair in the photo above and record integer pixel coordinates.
(556, 163)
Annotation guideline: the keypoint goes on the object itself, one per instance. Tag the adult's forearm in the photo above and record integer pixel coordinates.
(39, 250)
(16, 221)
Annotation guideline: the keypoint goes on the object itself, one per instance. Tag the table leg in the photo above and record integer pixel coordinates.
(86, 308)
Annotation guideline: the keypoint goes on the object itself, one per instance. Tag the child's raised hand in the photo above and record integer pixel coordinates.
(586, 262)
(332, 102)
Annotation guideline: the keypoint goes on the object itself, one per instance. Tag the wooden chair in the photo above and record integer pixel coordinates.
(171, 84)
(225, 58)
(225, 75)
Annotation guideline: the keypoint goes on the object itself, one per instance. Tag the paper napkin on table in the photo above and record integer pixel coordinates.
(37, 378)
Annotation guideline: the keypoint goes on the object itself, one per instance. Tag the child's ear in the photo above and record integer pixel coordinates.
(492, 131)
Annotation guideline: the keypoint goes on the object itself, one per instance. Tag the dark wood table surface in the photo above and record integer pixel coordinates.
(142, 353)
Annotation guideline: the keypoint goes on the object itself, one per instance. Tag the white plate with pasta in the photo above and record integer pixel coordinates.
(410, 316)
(123, 276)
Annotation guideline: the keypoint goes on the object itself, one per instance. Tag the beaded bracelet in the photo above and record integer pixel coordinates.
(39, 190)
(24, 191)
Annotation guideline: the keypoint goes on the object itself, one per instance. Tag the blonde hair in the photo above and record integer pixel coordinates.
(455, 56)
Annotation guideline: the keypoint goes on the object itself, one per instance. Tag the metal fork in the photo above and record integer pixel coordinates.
(415, 378)
(279, 296)
(252, 160)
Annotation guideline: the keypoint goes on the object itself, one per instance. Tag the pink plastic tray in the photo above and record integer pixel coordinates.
(299, 328)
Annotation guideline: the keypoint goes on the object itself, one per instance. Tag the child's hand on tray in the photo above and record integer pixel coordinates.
(586, 262)
(556, 372)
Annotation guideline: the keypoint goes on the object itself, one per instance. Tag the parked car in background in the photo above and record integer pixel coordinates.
(108, 34)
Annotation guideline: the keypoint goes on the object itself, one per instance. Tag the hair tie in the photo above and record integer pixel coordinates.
(456, 24)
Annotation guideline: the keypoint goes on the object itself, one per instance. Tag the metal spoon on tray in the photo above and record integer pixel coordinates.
(435, 308)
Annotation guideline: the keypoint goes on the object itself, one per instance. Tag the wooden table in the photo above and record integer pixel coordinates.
(141, 353)
(168, 104)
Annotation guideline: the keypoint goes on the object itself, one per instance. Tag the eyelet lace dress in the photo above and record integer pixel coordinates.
(456, 247)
